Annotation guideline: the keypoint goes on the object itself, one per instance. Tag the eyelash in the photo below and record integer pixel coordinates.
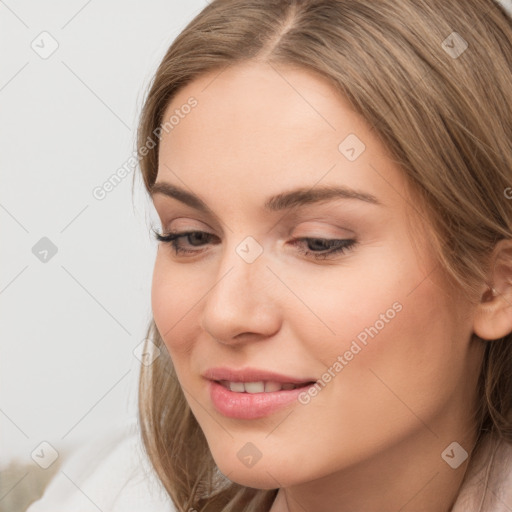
(339, 246)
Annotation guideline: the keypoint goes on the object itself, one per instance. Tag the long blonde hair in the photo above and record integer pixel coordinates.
(446, 117)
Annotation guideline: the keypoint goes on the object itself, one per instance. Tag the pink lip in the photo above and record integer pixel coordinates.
(251, 375)
(248, 406)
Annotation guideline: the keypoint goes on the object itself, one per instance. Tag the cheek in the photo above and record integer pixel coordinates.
(172, 300)
(390, 324)
(361, 300)
(413, 362)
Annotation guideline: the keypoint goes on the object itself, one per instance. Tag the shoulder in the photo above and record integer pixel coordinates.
(110, 472)
(487, 486)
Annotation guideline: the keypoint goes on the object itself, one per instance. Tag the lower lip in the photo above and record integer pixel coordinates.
(250, 406)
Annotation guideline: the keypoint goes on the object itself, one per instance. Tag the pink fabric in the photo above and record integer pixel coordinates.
(487, 486)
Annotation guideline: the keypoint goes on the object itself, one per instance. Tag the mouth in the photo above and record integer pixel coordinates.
(250, 394)
(261, 386)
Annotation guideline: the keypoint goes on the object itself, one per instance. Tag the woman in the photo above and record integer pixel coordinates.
(334, 280)
(332, 294)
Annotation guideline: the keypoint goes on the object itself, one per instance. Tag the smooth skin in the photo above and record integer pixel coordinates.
(372, 438)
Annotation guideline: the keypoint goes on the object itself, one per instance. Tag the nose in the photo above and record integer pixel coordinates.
(240, 306)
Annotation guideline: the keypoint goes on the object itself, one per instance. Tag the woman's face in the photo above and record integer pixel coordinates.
(280, 288)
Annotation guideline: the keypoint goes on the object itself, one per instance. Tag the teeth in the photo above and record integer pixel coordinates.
(257, 387)
(237, 387)
(272, 386)
(254, 387)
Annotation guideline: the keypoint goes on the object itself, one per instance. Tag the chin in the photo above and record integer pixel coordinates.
(265, 475)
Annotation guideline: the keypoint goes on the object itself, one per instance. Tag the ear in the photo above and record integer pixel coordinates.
(493, 316)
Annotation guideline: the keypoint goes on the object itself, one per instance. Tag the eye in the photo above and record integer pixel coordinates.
(194, 238)
(323, 248)
(317, 248)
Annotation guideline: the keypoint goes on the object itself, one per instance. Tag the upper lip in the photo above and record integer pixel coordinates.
(251, 375)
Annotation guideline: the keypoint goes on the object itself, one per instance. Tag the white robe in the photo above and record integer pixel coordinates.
(109, 473)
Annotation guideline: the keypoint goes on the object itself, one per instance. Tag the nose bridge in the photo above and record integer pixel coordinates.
(239, 300)
(242, 268)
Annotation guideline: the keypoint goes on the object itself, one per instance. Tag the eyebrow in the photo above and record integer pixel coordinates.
(279, 202)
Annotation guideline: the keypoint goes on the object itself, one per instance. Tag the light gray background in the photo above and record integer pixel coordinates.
(67, 123)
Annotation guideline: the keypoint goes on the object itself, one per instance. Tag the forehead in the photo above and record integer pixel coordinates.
(265, 107)
(261, 127)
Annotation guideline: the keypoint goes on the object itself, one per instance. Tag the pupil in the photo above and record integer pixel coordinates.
(317, 244)
(198, 237)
